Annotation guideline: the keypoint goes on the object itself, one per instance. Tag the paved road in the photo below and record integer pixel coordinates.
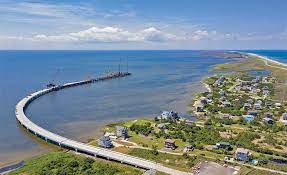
(78, 146)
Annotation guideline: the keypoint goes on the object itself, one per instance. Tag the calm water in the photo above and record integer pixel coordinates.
(161, 80)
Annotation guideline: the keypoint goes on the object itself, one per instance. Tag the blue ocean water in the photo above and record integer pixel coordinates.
(161, 80)
(279, 55)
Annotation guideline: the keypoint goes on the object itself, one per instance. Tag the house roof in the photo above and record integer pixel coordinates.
(242, 150)
(169, 141)
(224, 143)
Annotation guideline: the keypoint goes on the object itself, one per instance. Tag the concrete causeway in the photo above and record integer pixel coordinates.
(78, 146)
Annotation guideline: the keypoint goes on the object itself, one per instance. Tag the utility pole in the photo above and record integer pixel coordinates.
(127, 65)
(120, 66)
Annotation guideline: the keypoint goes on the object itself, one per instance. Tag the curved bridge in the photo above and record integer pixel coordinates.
(78, 146)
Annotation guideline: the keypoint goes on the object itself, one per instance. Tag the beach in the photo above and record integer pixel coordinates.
(268, 59)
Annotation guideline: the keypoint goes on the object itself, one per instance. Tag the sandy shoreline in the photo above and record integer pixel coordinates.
(267, 59)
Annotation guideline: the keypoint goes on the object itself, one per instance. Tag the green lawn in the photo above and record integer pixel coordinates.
(179, 162)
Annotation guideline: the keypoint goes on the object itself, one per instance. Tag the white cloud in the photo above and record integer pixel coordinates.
(147, 35)
(108, 34)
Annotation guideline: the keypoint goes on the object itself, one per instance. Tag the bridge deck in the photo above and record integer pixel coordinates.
(78, 146)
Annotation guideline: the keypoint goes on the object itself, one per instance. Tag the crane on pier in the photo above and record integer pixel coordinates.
(54, 76)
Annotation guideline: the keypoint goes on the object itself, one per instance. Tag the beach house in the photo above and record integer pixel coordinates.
(170, 144)
(242, 154)
(248, 118)
(122, 131)
(105, 142)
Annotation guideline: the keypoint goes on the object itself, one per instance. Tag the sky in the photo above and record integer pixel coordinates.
(142, 24)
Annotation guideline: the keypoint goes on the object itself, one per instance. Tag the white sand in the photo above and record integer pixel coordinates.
(267, 59)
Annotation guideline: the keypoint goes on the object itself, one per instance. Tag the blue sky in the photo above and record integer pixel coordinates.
(143, 24)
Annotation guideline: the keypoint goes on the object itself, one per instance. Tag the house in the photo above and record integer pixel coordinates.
(188, 148)
(168, 115)
(265, 92)
(111, 135)
(257, 106)
(249, 88)
(105, 142)
(284, 119)
(254, 90)
(237, 88)
(259, 102)
(254, 113)
(247, 106)
(250, 100)
(219, 81)
(170, 144)
(226, 116)
(248, 118)
(199, 108)
(268, 103)
(242, 154)
(222, 99)
(268, 115)
(243, 83)
(161, 126)
(223, 145)
(122, 131)
(226, 104)
(209, 97)
(222, 93)
(255, 85)
(203, 100)
(278, 105)
(268, 120)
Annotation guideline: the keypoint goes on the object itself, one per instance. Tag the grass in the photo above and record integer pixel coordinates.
(178, 162)
(151, 141)
(67, 163)
(250, 171)
(208, 154)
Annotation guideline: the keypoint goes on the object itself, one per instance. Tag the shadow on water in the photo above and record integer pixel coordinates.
(36, 139)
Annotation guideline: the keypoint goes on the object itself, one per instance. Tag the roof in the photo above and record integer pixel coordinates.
(224, 143)
(267, 119)
(249, 117)
(242, 150)
(169, 141)
(120, 127)
(105, 138)
(161, 125)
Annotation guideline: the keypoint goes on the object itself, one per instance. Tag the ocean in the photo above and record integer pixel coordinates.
(278, 55)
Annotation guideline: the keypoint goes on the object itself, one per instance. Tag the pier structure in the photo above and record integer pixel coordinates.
(76, 146)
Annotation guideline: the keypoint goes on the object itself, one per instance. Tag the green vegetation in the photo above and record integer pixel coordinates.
(181, 162)
(144, 129)
(62, 163)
